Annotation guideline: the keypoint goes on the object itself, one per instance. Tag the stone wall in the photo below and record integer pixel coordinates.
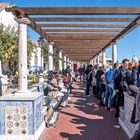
(125, 115)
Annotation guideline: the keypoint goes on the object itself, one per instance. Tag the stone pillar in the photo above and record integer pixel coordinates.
(103, 58)
(68, 60)
(94, 61)
(50, 55)
(98, 60)
(60, 60)
(72, 65)
(38, 53)
(0, 68)
(42, 62)
(32, 61)
(114, 53)
(65, 61)
(22, 54)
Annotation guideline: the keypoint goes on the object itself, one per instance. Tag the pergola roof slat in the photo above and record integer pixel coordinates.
(41, 19)
(85, 25)
(80, 30)
(80, 41)
(81, 10)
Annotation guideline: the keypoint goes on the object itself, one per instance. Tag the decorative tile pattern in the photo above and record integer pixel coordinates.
(21, 117)
(38, 114)
(13, 113)
(15, 123)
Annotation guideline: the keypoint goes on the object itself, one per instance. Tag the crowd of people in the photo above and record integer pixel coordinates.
(109, 83)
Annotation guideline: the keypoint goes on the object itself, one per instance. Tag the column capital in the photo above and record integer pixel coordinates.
(113, 43)
(22, 20)
(60, 51)
(51, 43)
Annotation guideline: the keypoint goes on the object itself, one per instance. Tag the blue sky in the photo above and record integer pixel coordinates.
(127, 46)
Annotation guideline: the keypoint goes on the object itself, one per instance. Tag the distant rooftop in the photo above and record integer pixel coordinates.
(3, 5)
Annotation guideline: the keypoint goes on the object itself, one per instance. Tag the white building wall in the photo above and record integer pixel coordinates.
(7, 18)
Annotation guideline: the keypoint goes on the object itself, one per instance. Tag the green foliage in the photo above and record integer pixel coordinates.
(30, 48)
(56, 59)
(9, 47)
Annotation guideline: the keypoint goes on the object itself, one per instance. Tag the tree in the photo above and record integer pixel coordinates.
(9, 48)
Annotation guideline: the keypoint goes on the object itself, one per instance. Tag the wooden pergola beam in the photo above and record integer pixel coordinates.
(48, 19)
(82, 37)
(81, 10)
(95, 42)
(89, 46)
(82, 30)
(84, 25)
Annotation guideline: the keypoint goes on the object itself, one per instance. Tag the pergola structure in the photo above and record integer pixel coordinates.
(81, 32)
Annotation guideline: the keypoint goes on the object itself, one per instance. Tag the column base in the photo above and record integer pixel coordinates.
(21, 116)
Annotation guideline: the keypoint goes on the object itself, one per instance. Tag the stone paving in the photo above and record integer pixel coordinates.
(84, 119)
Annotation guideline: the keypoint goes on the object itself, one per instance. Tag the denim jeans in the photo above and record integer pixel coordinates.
(109, 95)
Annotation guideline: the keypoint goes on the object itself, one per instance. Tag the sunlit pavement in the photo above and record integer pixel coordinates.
(84, 119)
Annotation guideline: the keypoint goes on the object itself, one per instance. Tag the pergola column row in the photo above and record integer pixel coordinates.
(97, 59)
(22, 58)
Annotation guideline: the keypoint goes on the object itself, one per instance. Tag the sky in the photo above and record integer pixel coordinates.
(126, 47)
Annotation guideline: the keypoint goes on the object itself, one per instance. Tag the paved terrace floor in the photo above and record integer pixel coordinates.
(84, 119)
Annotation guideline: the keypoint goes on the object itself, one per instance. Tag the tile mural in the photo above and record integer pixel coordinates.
(21, 117)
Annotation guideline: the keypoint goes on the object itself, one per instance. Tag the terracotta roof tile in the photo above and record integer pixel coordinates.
(2, 5)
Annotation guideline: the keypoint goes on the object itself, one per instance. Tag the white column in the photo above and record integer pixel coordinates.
(22, 54)
(114, 53)
(32, 61)
(103, 58)
(42, 62)
(50, 56)
(68, 60)
(94, 61)
(72, 65)
(0, 68)
(60, 60)
(65, 61)
(98, 60)
(38, 53)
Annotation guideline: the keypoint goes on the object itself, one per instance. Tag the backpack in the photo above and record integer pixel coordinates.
(109, 76)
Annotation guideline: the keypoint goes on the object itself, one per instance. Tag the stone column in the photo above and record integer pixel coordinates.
(65, 61)
(0, 68)
(103, 58)
(94, 61)
(32, 61)
(22, 54)
(68, 60)
(42, 62)
(98, 60)
(72, 65)
(38, 53)
(114, 52)
(50, 56)
(60, 60)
